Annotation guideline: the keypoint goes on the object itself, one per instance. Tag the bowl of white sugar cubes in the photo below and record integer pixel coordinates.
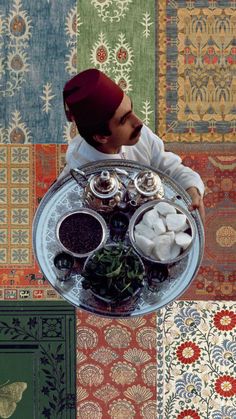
(162, 231)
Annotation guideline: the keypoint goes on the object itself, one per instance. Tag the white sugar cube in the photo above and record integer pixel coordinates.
(165, 208)
(175, 251)
(144, 244)
(171, 235)
(150, 217)
(162, 246)
(176, 222)
(163, 218)
(183, 239)
(143, 230)
(159, 227)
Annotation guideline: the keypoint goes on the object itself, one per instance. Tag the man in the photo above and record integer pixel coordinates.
(109, 129)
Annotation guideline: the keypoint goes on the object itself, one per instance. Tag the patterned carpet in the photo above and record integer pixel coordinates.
(197, 361)
(216, 277)
(117, 37)
(192, 375)
(116, 368)
(26, 173)
(196, 60)
(31, 83)
(177, 62)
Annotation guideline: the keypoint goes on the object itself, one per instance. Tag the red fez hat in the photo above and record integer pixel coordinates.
(91, 98)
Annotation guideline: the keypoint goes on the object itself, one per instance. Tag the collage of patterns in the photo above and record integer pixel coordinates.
(176, 60)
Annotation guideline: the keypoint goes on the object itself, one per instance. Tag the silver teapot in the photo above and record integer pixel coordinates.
(145, 186)
(103, 190)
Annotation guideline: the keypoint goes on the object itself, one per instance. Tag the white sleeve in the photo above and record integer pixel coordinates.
(171, 164)
(64, 172)
(72, 156)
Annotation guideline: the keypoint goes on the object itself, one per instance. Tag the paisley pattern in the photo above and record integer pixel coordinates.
(107, 32)
(17, 29)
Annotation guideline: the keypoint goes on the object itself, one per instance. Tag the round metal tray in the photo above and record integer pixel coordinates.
(66, 196)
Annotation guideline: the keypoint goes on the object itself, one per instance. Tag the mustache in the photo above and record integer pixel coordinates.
(136, 131)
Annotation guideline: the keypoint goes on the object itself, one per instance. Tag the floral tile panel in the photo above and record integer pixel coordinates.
(196, 357)
(176, 364)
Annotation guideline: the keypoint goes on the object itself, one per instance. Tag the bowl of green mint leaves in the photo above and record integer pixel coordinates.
(114, 273)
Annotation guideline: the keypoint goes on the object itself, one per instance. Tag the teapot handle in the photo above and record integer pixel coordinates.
(121, 171)
(75, 172)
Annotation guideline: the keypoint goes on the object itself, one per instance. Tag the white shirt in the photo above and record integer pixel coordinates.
(149, 150)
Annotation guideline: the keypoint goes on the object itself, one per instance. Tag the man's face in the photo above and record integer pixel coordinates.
(125, 127)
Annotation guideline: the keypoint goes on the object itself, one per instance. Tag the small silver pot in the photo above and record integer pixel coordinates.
(146, 186)
(103, 191)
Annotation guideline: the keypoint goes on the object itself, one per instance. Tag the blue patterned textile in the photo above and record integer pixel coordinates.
(37, 57)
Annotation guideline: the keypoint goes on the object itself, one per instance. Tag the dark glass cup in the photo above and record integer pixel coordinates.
(157, 274)
(63, 263)
(119, 223)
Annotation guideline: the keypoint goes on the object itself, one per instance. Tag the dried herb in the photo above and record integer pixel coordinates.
(114, 272)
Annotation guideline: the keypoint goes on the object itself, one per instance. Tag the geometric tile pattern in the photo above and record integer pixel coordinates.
(26, 173)
(31, 169)
(120, 373)
(16, 213)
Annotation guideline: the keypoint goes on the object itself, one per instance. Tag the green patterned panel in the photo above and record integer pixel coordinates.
(118, 37)
(17, 365)
(37, 360)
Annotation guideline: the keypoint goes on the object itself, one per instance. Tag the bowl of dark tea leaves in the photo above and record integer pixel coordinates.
(82, 232)
(114, 273)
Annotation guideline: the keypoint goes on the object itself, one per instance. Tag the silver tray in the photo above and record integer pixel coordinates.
(65, 196)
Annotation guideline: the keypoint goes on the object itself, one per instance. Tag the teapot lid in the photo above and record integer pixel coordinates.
(148, 183)
(104, 184)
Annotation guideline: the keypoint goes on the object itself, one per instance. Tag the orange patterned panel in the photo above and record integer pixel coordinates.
(216, 277)
(116, 367)
(26, 173)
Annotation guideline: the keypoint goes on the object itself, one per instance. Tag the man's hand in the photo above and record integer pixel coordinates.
(197, 202)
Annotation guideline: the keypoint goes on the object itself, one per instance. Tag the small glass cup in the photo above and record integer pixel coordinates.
(63, 263)
(157, 274)
(119, 223)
